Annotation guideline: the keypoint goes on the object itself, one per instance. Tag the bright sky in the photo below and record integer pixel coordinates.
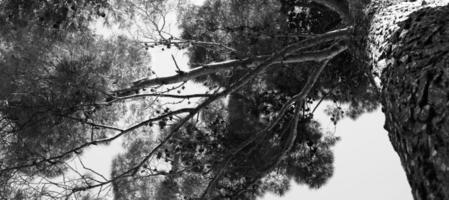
(366, 166)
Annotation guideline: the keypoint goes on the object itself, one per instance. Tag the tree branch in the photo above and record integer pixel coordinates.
(96, 142)
(118, 99)
(93, 124)
(300, 97)
(176, 64)
(317, 56)
(342, 33)
(207, 69)
(181, 77)
(229, 64)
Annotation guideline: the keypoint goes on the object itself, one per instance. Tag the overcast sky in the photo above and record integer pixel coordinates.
(366, 166)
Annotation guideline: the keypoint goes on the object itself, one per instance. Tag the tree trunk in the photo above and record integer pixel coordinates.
(413, 56)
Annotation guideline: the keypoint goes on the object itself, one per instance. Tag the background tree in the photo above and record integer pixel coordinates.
(54, 72)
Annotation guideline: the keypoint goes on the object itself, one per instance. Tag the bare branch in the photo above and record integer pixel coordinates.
(181, 77)
(176, 64)
(317, 56)
(229, 64)
(96, 142)
(182, 42)
(89, 169)
(93, 124)
(118, 99)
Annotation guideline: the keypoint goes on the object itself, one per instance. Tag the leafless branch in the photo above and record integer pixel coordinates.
(201, 71)
(176, 64)
(96, 142)
(118, 99)
(93, 124)
(89, 169)
(181, 42)
(229, 64)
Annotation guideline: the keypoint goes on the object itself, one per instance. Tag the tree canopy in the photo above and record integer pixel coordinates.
(265, 65)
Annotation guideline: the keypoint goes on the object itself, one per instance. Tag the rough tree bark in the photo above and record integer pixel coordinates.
(409, 45)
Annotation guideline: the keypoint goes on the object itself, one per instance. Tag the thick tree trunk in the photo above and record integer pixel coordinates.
(413, 56)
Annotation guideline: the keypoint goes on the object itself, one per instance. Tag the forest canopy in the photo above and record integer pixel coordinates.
(65, 88)
(258, 69)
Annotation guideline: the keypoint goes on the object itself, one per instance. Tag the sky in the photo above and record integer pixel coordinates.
(366, 166)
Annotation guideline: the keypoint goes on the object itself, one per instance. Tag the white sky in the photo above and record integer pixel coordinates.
(366, 166)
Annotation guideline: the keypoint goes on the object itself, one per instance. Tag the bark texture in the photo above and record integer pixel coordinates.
(415, 98)
(384, 17)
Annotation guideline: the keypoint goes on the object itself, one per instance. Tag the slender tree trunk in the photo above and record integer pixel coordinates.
(412, 52)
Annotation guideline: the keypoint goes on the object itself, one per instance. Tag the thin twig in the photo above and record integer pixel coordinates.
(176, 64)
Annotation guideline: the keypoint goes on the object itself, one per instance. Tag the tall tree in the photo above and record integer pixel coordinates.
(269, 65)
(412, 48)
(380, 32)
